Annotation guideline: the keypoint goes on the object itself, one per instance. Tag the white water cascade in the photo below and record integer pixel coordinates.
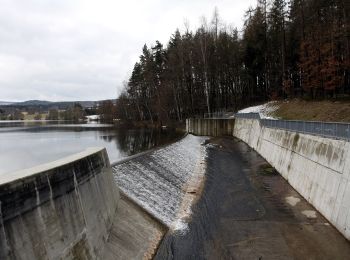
(165, 182)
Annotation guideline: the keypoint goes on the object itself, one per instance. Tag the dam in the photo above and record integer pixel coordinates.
(218, 197)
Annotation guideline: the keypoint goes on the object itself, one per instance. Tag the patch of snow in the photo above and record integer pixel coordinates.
(93, 117)
(210, 145)
(264, 110)
(292, 200)
(309, 213)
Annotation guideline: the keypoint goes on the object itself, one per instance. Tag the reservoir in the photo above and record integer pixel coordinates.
(27, 144)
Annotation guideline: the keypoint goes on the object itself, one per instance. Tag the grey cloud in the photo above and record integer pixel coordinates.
(83, 49)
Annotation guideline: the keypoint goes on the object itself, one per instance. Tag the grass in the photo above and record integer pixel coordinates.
(327, 111)
(267, 169)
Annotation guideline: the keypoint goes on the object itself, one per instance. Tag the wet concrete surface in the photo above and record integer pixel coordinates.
(134, 233)
(248, 211)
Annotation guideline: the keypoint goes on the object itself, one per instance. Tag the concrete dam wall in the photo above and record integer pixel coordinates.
(317, 167)
(60, 210)
(73, 209)
(210, 127)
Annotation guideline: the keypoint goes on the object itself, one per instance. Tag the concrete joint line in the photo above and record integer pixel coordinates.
(303, 156)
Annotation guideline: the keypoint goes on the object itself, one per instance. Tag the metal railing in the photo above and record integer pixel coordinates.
(218, 115)
(325, 129)
(248, 115)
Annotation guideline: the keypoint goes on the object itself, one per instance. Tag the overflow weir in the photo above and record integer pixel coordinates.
(198, 198)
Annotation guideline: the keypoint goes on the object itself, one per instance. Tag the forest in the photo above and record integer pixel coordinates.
(286, 49)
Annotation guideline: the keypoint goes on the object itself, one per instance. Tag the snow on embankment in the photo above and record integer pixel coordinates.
(265, 110)
(167, 181)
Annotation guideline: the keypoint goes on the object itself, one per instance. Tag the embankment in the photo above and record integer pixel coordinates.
(317, 167)
(60, 210)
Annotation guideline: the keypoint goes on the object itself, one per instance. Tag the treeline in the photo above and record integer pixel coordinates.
(105, 110)
(297, 48)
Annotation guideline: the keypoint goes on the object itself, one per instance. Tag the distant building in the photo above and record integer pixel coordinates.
(93, 118)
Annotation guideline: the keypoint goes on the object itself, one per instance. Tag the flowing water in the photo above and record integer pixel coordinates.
(165, 182)
(27, 144)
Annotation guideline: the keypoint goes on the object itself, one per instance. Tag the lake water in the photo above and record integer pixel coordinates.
(27, 144)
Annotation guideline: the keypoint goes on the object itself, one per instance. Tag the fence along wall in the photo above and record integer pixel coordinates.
(316, 166)
(60, 210)
(325, 129)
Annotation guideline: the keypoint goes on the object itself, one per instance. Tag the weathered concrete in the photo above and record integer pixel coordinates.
(134, 233)
(60, 210)
(318, 168)
(210, 127)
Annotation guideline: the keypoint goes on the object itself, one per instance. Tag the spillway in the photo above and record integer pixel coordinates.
(165, 182)
(73, 209)
(198, 198)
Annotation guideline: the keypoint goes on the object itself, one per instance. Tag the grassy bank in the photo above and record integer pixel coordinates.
(328, 111)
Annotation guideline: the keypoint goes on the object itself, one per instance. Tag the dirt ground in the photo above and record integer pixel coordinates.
(328, 111)
(248, 211)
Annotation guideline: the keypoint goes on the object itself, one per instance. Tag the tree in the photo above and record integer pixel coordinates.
(255, 47)
(74, 113)
(277, 43)
(17, 115)
(52, 115)
(107, 111)
(37, 116)
(286, 49)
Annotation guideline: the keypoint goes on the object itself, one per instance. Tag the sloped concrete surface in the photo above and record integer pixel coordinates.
(134, 233)
(165, 182)
(62, 210)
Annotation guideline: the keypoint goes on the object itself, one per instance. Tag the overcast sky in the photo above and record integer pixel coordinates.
(84, 49)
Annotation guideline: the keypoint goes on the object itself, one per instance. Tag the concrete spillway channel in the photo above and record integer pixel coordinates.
(218, 199)
(248, 211)
(198, 198)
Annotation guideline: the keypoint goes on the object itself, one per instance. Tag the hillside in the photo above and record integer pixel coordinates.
(61, 104)
(4, 103)
(46, 105)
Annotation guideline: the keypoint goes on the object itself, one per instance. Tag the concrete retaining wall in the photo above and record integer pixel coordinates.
(210, 127)
(61, 210)
(318, 168)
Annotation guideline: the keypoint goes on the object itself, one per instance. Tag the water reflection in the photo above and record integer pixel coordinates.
(134, 141)
(26, 144)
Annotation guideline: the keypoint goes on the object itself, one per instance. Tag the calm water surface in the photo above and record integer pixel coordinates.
(27, 144)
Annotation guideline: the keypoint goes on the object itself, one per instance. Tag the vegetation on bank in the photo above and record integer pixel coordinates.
(327, 111)
(287, 49)
(106, 110)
